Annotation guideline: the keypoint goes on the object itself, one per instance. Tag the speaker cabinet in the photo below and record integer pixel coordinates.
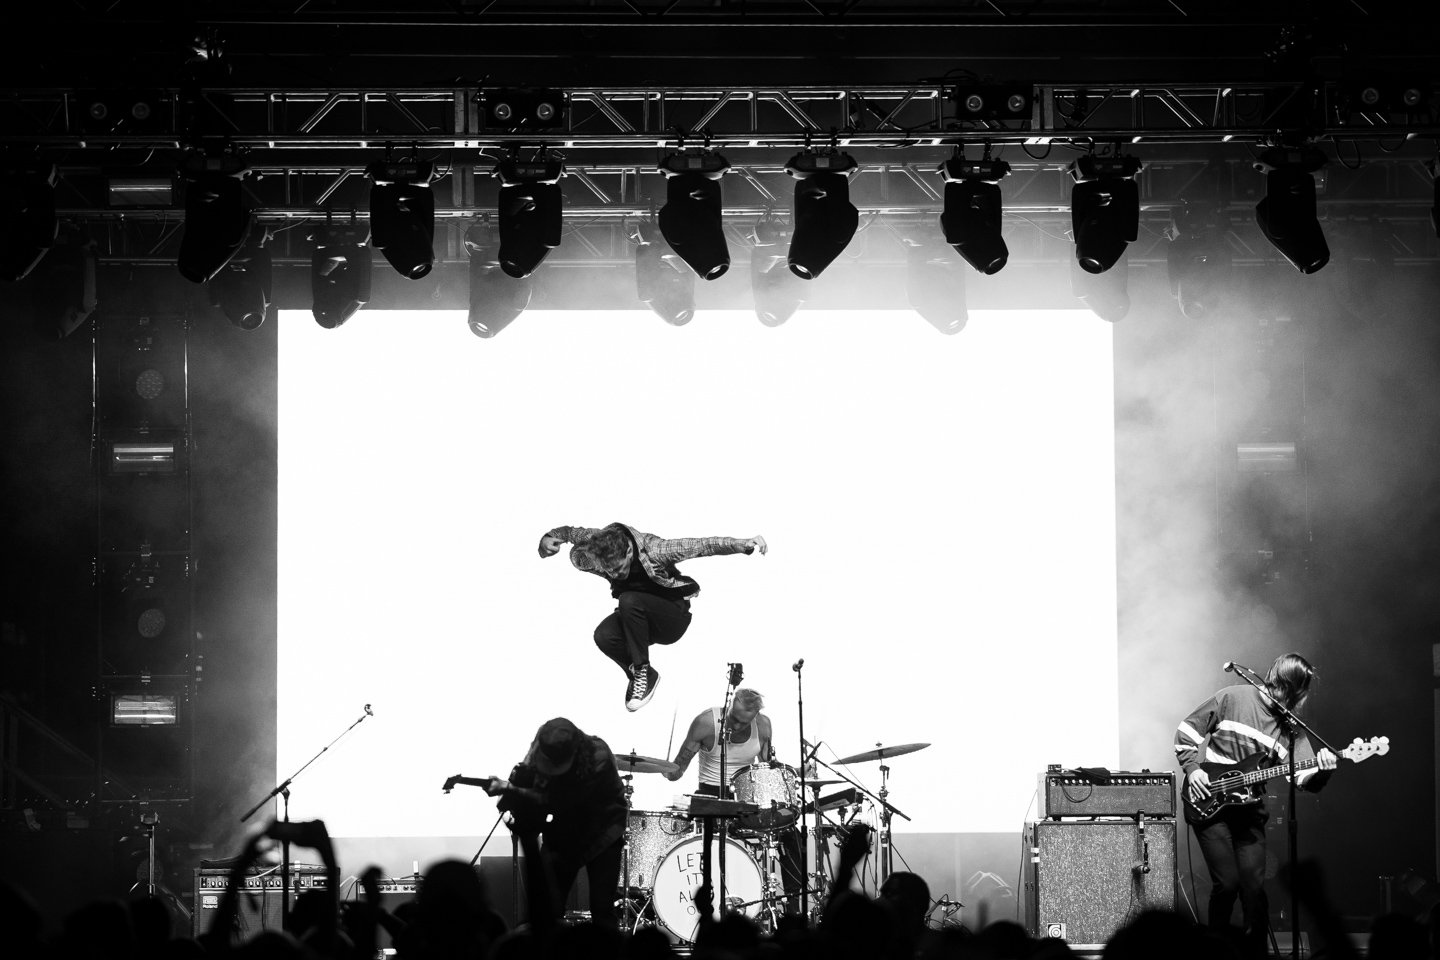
(1085, 879)
(259, 897)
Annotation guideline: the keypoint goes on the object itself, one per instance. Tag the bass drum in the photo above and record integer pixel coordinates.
(680, 874)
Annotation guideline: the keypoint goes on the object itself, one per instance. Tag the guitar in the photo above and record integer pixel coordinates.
(495, 787)
(1242, 784)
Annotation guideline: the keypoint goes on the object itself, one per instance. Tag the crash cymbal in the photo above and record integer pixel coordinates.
(634, 763)
(881, 753)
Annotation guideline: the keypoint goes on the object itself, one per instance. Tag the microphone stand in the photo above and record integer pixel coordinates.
(734, 674)
(282, 790)
(1292, 725)
(804, 793)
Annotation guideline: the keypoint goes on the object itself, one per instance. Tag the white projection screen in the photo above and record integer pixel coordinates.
(940, 513)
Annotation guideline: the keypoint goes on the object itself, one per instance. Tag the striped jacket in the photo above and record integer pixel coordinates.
(658, 556)
(1234, 724)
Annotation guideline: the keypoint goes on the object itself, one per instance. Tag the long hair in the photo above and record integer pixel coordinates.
(1289, 679)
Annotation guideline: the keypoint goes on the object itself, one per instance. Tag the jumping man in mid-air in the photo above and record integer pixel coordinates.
(652, 596)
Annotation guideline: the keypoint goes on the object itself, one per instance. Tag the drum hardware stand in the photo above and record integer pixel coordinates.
(804, 794)
(629, 912)
(887, 809)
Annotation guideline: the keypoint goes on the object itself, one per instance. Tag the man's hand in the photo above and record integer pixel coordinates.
(1326, 759)
(549, 546)
(1197, 785)
(756, 544)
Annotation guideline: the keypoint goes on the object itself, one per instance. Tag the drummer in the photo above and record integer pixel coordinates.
(748, 741)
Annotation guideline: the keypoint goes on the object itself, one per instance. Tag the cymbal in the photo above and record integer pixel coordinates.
(822, 783)
(635, 763)
(881, 753)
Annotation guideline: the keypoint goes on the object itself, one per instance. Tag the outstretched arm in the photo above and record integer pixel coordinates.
(551, 540)
(700, 731)
(688, 548)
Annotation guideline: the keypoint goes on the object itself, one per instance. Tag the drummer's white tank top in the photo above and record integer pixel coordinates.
(738, 755)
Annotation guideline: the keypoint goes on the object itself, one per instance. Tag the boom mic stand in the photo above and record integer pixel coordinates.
(887, 810)
(804, 794)
(282, 789)
(734, 674)
(1293, 725)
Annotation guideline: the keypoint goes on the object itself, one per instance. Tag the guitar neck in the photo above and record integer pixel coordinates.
(1265, 773)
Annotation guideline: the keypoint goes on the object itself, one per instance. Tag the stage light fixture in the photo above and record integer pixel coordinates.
(691, 220)
(121, 111)
(1287, 213)
(27, 218)
(339, 274)
(972, 214)
(535, 108)
(823, 218)
(935, 287)
(1104, 209)
(216, 220)
(242, 288)
(67, 296)
(402, 214)
(1197, 258)
(1010, 102)
(496, 299)
(1106, 294)
(530, 213)
(662, 284)
(778, 293)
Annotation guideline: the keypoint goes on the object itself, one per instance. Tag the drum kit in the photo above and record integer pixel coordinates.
(661, 865)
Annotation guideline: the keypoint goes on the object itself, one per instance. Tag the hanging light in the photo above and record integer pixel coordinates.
(496, 299)
(824, 220)
(691, 220)
(1287, 214)
(935, 287)
(1106, 294)
(1197, 258)
(216, 219)
(778, 293)
(339, 274)
(530, 213)
(242, 288)
(1104, 209)
(972, 214)
(402, 214)
(27, 218)
(661, 283)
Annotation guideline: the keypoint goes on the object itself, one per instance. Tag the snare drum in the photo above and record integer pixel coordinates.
(650, 834)
(680, 874)
(774, 788)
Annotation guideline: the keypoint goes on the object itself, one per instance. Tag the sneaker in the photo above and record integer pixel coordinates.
(642, 687)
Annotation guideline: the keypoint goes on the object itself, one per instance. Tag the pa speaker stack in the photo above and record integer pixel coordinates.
(1103, 853)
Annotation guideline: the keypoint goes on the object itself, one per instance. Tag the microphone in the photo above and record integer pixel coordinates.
(1228, 666)
(798, 664)
(368, 711)
(814, 748)
(737, 673)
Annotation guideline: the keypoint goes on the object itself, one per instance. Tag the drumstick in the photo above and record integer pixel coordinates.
(672, 730)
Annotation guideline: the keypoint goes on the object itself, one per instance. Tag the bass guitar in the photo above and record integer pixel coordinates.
(495, 787)
(1243, 784)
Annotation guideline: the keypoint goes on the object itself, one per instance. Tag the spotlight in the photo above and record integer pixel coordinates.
(1197, 258)
(664, 285)
(534, 108)
(778, 292)
(824, 219)
(496, 300)
(993, 101)
(935, 288)
(971, 218)
(1287, 213)
(216, 221)
(1104, 209)
(27, 218)
(242, 288)
(691, 220)
(67, 297)
(1106, 294)
(121, 111)
(339, 275)
(402, 214)
(530, 213)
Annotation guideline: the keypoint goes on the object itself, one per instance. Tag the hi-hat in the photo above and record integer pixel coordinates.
(880, 753)
(635, 763)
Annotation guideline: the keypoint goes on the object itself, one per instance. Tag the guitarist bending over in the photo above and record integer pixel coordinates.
(1237, 726)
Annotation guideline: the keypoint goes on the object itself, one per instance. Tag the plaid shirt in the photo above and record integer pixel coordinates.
(658, 556)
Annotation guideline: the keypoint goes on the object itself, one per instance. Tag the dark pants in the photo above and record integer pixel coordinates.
(602, 872)
(1233, 845)
(640, 620)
